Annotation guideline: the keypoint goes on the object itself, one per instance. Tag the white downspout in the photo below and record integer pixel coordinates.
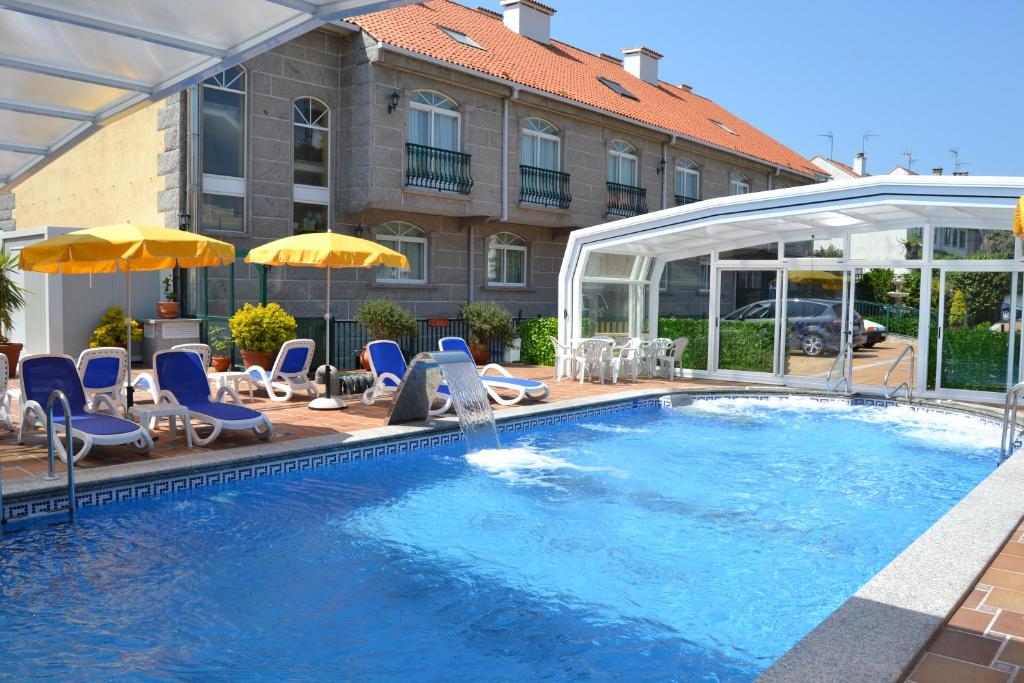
(504, 153)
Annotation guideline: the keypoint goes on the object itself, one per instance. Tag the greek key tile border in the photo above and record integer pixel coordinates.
(313, 460)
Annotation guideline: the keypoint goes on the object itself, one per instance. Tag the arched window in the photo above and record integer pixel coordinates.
(738, 183)
(506, 260)
(310, 165)
(407, 239)
(223, 151)
(433, 120)
(540, 145)
(687, 182)
(622, 163)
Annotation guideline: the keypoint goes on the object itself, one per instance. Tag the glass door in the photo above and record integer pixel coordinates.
(747, 320)
(888, 303)
(817, 326)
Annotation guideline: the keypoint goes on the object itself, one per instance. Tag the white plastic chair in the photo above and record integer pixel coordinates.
(626, 362)
(668, 358)
(289, 373)
(565, 358)
(592, 355)
(103, 372)
(5, 402)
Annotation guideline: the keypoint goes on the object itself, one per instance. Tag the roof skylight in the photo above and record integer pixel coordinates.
(617, 87)
(460, 37)
(724, 127)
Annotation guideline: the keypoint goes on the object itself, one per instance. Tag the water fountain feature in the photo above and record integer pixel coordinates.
(429, 371)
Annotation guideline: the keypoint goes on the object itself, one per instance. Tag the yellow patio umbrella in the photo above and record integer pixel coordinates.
(1018, 218)
(326, 250)
(124, 247)
(823, 278)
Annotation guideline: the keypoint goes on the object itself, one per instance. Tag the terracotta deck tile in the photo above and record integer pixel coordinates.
(975, 598)
(1006, 599)
(938, 669)
(1001, 578)
(967, 647)
(1012, 653)
(1010, 563)
(1009, 623)
(971, 620)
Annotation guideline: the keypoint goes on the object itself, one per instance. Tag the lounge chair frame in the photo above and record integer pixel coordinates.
(277, 380)
(492, 374)
(381, 389)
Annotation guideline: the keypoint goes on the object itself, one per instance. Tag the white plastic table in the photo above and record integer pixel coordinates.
(234, 377)
(148, 414)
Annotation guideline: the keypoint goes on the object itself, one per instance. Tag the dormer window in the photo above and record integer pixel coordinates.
(724, 127)
(617, 88)
(460, 37)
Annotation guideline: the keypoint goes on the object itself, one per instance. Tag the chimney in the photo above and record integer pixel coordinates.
(528, 18)
(859, 164)
(937, 170)
(642, 62)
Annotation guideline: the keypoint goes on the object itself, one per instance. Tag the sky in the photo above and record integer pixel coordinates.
(925, 76)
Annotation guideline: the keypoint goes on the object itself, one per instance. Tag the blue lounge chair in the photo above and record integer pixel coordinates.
(40, 375)
(289, 373)
(181, 380)
(496, 378)
(389, 367)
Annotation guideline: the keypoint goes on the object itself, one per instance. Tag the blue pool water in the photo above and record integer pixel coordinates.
(690, 544)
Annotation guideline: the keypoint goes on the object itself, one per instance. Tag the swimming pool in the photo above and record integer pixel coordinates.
(697, 543)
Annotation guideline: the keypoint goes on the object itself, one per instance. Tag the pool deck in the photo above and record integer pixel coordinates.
(982, 639)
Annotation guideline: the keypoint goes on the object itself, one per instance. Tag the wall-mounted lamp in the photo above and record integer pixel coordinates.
(661, 166)
(359, 230)
(393, 101)
(184, 220)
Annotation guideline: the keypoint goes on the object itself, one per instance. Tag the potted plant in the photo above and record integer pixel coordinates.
(383, 320)
(912, 246)
(487, 322)
(168, 306)
(12, 300)
(111, 330)
(259, 331)
(220, 345)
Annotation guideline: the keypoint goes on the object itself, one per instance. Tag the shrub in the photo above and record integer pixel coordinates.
(167, 288)
(220, 342)
(974, 359)
(536, 333)
(487, 321)
(261, 328)
(385, 320)
(12, 295)
(111, 330)
(696, 330)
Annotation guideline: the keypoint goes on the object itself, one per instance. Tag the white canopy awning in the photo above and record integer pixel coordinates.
(68, 67)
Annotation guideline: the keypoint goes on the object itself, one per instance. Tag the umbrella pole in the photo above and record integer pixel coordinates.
(129, 390)
(327, 402)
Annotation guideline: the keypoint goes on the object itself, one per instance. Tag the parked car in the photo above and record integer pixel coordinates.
(876, 333)
(816, 324)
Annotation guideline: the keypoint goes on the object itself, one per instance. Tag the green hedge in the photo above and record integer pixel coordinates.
(696, 355)
(974, 359)
(536, 334)
(747, 345)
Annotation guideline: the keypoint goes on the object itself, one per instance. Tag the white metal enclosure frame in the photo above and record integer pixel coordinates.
(834, 210)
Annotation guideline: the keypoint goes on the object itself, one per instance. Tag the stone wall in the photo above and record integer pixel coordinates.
(7, 211)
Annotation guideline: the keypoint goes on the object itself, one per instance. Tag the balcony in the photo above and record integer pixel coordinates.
(683, 199)
(437, 169)
(544, 187)
(626, 200)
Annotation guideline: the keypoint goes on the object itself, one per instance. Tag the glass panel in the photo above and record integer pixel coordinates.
(760, 252)
(222, 212)
(613, 168)
(446, 132)
(416, 253)
(529, 150)
(888, 301)
(975, 338)
(515, 267)
(830, 248)
(494, 265)
(548, 154)
(610, 265)
(883, 245)
(962, 243)
(310, 156)
(747, 324)
(683, 306)
(309, 218)
(613, 309)
(627, 171)
(223, 151)
(419, 127)
(814, 322)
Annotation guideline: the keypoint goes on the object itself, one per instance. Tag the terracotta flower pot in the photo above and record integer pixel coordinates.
(167, 309)
(221, 363)
(481, 354)
(364, 359)
(13, 353)
(264, 359)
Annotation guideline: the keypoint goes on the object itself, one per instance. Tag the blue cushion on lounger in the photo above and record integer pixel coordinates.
(99, 424)
(223, 411)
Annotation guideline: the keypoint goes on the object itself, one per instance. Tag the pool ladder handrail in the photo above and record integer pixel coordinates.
(841, 362)
(51, 400)
(905, 386)
(1009, 435)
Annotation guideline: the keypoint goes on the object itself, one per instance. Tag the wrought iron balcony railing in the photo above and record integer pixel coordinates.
(683, 199)
(626, 200)
(544, 186)
(437, 169)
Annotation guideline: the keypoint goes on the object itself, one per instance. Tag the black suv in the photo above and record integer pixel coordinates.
(816, 324)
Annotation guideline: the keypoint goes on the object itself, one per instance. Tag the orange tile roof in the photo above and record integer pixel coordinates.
(571, 73)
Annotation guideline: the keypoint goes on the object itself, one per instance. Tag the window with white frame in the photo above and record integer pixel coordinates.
(540, 146)
(433, 120)
(407, 239)
(687, 182)
(663, 282)
(506, 260)
(310, 165)
(223, 151)
(704, 275)
(622, 163)
(738, 183)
